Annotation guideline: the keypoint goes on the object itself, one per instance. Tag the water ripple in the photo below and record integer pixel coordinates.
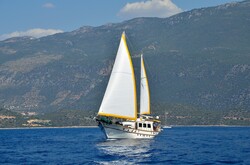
(178, 145)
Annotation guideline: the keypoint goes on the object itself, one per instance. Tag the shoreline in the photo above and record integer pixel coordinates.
(167, 126)
(49, 127)
(208, 125)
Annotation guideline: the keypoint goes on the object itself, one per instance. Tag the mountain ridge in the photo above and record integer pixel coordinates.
(198, 58)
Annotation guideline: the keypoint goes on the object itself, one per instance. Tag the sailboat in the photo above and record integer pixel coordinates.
(118, 116)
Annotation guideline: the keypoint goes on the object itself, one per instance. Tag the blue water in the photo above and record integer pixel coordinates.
(178, 145)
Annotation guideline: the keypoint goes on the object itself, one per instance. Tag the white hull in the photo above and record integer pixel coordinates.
(113, 131)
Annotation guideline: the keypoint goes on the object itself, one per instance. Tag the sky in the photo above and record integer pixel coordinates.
(39, 18)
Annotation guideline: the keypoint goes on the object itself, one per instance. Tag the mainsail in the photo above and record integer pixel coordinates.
(120, 97)
(144, 93)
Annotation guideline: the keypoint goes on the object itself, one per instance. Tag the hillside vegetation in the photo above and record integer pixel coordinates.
(199, 58)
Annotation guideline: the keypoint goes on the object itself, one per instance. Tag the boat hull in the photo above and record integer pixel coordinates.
(113, 131)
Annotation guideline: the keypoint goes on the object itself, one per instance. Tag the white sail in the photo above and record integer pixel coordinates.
(120, 97)
(144, 96)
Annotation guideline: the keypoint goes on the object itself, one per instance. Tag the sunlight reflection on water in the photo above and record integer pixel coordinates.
(125, 151)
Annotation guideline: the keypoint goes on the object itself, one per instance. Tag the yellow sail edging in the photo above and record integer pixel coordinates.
(116, 116)
(133, 77)
(133, 74)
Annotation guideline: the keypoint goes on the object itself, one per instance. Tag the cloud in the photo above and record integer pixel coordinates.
(31, 32)
(150, 8)
(48, 5)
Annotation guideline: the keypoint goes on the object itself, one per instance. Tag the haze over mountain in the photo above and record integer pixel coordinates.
(199, 58)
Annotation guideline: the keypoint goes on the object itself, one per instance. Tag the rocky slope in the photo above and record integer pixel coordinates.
(199, 58)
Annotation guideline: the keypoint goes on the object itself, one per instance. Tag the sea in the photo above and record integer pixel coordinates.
(176, 145)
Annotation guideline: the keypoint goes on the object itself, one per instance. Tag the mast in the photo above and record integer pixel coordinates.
(120, 96)
(144, 91)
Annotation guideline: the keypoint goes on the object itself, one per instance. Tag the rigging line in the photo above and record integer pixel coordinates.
(133, 55)
(148, 70)
(123, 73)
(130, 45)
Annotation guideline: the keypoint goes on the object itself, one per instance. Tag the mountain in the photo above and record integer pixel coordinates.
(199, 58)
